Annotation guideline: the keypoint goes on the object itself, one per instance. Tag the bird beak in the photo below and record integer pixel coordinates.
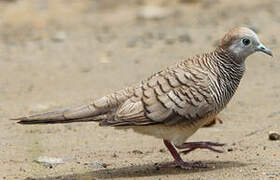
(263, 49)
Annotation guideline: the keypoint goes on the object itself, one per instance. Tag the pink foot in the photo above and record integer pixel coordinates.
(201, 145)
(178, 161)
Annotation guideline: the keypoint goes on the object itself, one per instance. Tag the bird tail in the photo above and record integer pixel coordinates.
(96, 111)
(79, 114)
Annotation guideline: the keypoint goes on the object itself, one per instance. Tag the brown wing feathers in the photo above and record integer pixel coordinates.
(176, 94)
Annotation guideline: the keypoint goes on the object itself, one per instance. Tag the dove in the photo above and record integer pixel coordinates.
(175, 102)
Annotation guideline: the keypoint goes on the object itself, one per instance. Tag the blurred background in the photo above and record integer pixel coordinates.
(61, 53)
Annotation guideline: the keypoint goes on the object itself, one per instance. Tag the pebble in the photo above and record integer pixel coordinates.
(137, 152)
(96, 165)
(229, 149)
(151, 12)
(272, 135)
(49, 162)
(59, 36)
(162, 150)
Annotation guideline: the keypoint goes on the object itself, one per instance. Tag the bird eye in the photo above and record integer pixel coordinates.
(246, 41)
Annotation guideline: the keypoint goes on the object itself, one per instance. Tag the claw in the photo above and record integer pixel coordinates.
(191, 146)
(178, 161)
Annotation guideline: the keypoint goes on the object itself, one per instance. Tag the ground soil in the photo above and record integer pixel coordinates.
(56, 54)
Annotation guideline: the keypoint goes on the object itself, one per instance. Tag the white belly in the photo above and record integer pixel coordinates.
(177, 134)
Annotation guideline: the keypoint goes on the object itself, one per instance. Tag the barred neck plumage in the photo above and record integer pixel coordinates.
(226, 72)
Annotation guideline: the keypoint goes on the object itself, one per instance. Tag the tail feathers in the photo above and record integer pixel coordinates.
(92, 112)
(78, 114)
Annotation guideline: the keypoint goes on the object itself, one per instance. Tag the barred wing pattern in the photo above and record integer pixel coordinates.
(179, 94)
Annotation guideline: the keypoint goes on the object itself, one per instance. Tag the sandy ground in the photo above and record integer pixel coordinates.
(57, 54)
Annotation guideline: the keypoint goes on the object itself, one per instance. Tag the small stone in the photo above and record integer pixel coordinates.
(96, 165)
(273, 135)
(49, 162)
(229, 149)
(162, 150)
(137, 152)
(59, 36)
(154, 12)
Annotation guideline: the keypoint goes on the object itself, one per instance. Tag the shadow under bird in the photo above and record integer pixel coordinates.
(174, 103)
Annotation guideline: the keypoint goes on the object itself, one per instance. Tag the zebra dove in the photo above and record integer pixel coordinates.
(175, 102)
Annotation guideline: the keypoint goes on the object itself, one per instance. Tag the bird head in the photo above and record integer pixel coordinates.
(243, 42)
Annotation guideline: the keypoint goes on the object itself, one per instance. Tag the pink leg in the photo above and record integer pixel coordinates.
(202, 145)
(178, 161)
